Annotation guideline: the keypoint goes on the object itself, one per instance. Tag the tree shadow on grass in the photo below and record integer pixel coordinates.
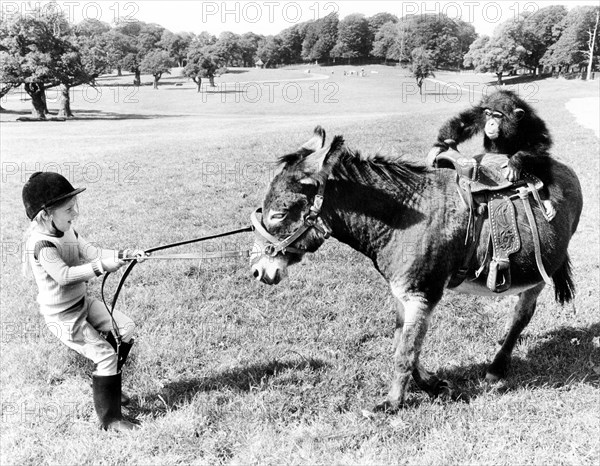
(94, 115)
(520, 79)
(558, 358)
(5, 111)
(238, 379)
(229, 71)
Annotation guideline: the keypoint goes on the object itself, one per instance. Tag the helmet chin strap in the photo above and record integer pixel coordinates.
(56, 231)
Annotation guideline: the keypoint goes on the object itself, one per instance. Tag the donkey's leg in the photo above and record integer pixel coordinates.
(412, 318)
(520, 318)
(425, 380)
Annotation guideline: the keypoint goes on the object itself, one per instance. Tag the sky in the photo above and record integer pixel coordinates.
(270, 17)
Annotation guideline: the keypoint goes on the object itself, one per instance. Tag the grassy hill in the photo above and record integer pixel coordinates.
(226, 370)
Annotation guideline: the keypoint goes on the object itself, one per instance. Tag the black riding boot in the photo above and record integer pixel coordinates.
(124, 350)
(107, 401)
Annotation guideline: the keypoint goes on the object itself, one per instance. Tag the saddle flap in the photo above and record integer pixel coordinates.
(505, 239)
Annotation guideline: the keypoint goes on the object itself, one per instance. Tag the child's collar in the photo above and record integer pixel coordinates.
(56, 233)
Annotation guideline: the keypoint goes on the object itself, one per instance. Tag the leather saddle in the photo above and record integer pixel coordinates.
(490, 196)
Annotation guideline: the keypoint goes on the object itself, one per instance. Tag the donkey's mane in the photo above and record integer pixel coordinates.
(393, 171)
(352, 166)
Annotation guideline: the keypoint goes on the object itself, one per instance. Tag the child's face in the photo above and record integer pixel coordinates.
(64, 215)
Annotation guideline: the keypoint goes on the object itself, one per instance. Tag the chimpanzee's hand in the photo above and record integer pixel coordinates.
(432, 155)
(513, 170)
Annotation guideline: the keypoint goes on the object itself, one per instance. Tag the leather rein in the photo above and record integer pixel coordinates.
(273, 247)
(133, 262)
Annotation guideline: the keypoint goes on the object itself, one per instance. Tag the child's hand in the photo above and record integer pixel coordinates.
(112, 265)
(138, 254)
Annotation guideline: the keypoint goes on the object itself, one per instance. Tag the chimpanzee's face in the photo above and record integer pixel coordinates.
(493, 123)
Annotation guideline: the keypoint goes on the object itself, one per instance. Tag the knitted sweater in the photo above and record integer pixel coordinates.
(61, 266)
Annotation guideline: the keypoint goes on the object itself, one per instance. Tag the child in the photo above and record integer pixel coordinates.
(62, 262)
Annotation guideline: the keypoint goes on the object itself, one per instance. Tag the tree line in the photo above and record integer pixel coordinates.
(45, 50)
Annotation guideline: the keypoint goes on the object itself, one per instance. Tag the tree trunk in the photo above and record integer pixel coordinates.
(592, 43)
(212, 81)
(198, 82)
(156, 78)
(5, 89)
(137, 81)
(65, 102)
(499, 76)
(119, 71)
(38, 100)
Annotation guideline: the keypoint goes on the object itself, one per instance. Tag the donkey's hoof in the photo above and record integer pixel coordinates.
(388, 407)
(446, 390)
(493, 378)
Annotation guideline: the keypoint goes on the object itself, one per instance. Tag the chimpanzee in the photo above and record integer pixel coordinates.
(510, 127)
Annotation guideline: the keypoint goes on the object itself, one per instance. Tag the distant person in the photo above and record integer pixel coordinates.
(62, 262)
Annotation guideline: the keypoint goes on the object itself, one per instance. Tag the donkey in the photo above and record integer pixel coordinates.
(371, 204)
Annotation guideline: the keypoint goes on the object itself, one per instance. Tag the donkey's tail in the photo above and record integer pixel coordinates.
(564, 288)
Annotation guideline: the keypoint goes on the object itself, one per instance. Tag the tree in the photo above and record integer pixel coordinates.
(157, 62)
(384, 40)
(202, 40)
(118, 46)
(84, 59)
(248, 46)
(5, 88)
(389, 42)
(493, 55)
(574, 42)
(593, 34)
(270, 51)
(227, 48)
(538, 31)
(143, 38)
(446, 40)
(352, 38)
(320, 38)
(202, 62)
(176, 45)
(290, 41)
(421, 66)
(377, 21)
(29, 52)
(44, 50)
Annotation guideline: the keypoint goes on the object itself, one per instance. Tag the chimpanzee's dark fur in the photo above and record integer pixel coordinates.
(523, 136)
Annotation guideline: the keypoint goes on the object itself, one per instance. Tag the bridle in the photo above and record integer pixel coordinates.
(276, 246)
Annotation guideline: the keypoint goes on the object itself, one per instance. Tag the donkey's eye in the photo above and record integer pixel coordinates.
(278, 215)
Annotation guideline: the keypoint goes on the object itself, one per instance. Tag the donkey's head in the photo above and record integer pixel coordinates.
(291, 224)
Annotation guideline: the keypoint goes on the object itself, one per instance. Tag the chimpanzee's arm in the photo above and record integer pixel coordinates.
(461, 127)
(534, 142)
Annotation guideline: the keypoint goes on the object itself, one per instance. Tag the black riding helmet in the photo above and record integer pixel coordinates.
(44, 189)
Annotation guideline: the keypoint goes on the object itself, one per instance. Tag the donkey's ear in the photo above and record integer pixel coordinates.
(321, 162)
(317, 141)
(333, 155)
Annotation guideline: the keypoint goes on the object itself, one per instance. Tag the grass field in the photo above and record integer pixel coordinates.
(226, 370)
